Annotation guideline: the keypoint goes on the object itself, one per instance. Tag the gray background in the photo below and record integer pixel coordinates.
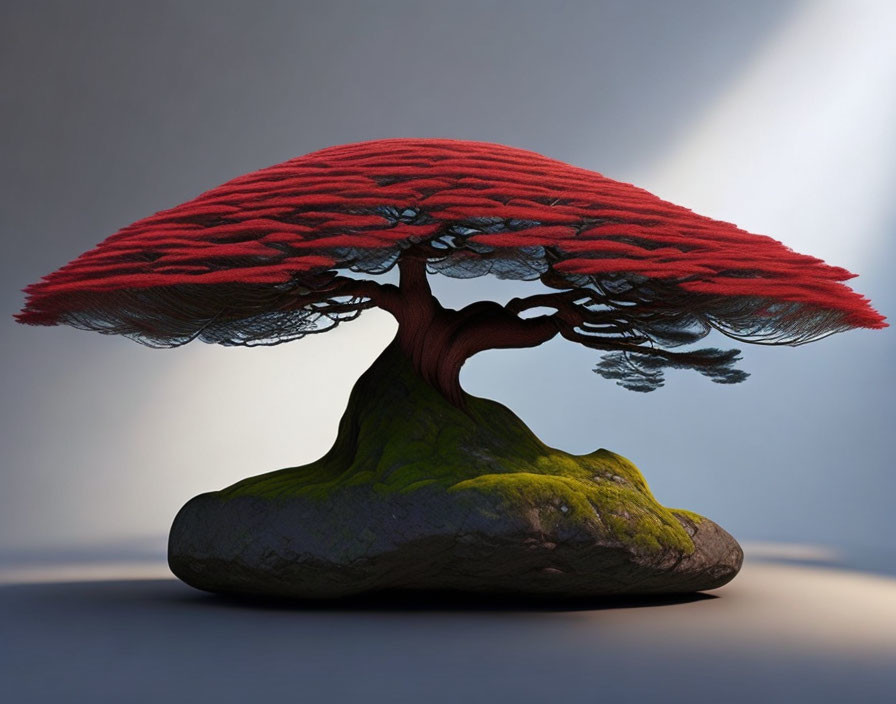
(774, 115)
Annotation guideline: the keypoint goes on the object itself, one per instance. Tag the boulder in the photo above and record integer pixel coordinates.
(418, 494)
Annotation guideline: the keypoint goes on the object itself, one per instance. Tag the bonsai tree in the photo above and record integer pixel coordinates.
(292, 250)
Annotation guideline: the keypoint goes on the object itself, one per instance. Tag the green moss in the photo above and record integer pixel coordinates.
(622, 513)
(695, 518)
(399, 434)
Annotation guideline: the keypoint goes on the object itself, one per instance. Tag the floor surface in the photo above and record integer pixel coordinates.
(777, 633)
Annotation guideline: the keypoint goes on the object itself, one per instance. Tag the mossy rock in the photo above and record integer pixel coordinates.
(418, 494)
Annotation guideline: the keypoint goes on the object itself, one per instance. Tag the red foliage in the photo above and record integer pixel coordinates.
(327, 209)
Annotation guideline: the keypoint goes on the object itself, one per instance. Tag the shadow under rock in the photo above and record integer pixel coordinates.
(147, 592)
(451, 601)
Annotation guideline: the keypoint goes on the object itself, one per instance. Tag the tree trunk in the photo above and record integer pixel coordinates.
(439, 340)
(424, 330)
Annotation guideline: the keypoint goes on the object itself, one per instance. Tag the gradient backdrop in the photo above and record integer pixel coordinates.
(775, 115)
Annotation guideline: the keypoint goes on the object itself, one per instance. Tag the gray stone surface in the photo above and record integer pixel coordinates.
(358, 540)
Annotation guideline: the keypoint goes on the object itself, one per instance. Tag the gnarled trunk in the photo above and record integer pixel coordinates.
(439, 340)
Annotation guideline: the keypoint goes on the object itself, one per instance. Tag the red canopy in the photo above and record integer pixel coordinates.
(480, 208)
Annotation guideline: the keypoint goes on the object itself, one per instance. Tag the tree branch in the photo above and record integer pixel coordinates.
(636, 345)
(488, 325)
(385, 296)
(561, 299)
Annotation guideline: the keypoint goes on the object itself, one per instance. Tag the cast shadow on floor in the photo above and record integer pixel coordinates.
(173, 593)
(448, 601)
